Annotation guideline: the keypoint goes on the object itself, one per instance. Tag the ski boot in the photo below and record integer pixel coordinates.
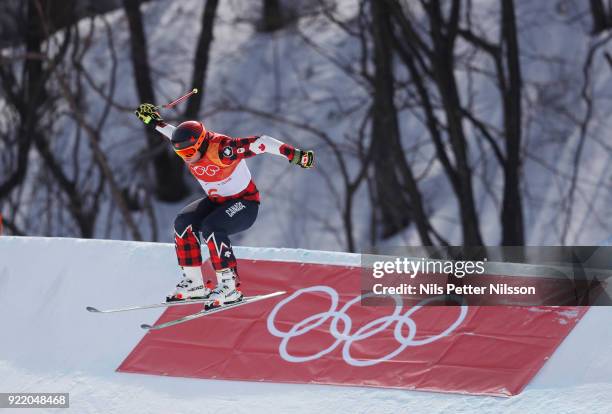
(191, 286)
(226, 291)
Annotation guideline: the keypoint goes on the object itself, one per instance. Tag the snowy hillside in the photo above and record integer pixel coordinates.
(51, 344)
(289, 73)
(303, 73)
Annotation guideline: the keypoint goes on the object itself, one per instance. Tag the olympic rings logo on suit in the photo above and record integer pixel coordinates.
(364, 332)
(209, 170)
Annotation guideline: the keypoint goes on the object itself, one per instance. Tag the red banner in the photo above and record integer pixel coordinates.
(319, 333)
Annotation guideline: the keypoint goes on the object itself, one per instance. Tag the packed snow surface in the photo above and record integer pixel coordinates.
(51, 344)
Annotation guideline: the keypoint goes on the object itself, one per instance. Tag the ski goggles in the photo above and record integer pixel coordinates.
(190, 147)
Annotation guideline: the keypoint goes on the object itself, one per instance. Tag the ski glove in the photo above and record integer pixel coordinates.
(147, 112)
(304, 159)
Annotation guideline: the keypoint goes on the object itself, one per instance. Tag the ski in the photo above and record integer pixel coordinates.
(150, 306)
(245, 301)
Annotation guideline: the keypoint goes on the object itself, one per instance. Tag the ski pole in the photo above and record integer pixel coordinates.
(178, 100)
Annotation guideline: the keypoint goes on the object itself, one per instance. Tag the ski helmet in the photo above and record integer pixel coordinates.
(187, 138)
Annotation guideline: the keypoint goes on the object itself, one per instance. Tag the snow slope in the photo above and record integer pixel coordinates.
(51, 344)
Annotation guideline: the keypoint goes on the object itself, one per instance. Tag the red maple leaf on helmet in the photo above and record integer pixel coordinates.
(262, 147)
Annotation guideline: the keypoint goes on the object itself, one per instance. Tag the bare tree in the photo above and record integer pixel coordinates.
(26, 98)
(201, 58)
(431, 58)
(272, 16)
(33, 101)
(601, 14)
(426, 43)
(170, 183)
(70, 185)
(397, 190)
(511, 91)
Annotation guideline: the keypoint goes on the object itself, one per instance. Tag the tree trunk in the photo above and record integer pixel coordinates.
(26, 99)
(272, 18)
(512, 209)
(200, 60)
(392, 203)
(170, 184)
(443, 36)
(602, 18)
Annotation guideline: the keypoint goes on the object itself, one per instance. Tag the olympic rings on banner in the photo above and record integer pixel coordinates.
(344, 336)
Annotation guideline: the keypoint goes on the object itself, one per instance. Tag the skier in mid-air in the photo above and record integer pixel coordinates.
(230, 205)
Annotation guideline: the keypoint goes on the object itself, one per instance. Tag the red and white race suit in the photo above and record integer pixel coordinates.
(222, 171)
